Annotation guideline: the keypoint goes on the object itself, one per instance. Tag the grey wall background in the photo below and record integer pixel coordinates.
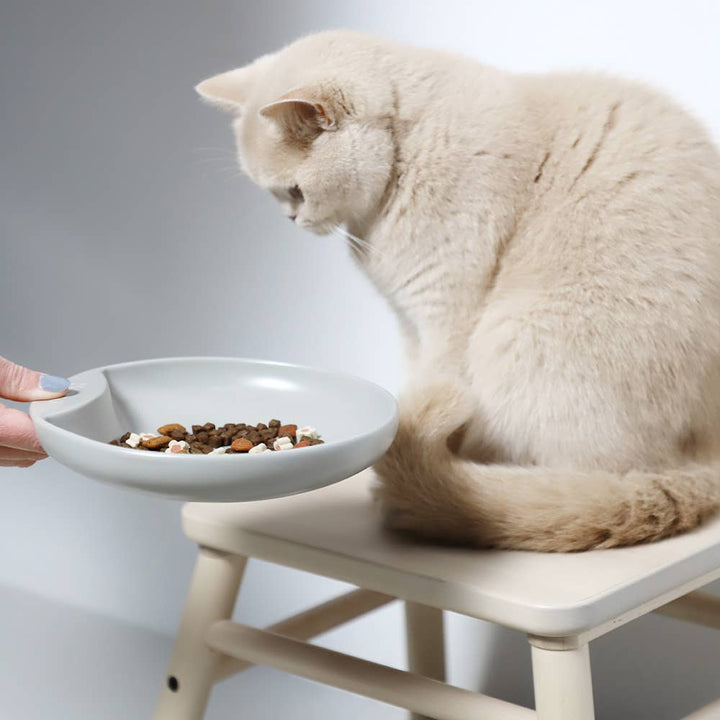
(126, 233)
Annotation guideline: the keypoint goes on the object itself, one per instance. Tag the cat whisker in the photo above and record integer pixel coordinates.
(340, 234)
(354, 245)
(222, 161)
(354, 241)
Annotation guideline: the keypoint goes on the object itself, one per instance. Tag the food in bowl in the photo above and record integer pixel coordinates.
(229, 439)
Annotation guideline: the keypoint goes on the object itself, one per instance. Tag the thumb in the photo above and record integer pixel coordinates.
(19, 383)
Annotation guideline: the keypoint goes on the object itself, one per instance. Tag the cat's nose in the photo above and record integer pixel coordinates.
(292, 217)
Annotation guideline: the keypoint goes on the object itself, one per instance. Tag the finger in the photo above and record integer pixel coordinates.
(19, 383)
(9, 453)
(17, 463)
(17, 430)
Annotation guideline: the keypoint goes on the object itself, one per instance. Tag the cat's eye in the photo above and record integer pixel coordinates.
(296, 193)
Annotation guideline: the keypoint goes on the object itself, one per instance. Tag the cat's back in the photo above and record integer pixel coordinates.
(600, 130)
(619, 241)
(627, 183)
(607, 295)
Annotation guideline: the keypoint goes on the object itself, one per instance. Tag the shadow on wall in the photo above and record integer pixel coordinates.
(654, 668)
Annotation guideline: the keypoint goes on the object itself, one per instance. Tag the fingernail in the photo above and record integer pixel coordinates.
(53, 383)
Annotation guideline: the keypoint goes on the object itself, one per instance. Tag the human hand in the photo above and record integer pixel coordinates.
(19, 445)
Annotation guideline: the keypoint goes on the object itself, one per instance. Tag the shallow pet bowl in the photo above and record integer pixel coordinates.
(356, 419)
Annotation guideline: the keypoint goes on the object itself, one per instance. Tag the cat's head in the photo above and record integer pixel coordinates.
(313, 126)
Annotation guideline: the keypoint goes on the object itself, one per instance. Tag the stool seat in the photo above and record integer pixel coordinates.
(336, 531)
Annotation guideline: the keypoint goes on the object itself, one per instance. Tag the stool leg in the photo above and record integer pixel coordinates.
(191, 671)
(425, 643)
(563, 684)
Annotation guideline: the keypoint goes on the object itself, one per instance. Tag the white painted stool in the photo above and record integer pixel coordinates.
(562, 602)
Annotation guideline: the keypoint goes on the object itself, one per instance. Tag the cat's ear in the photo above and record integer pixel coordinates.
(303, 113)
(229, 90)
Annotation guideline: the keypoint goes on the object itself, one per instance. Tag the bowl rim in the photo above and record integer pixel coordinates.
(40, 409)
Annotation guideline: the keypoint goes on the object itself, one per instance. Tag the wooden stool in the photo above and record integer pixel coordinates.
(561, 601)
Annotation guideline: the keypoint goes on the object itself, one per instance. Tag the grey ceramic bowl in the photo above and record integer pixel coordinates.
(356, 418)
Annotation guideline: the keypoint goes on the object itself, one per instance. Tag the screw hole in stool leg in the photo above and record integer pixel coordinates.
(173, 683)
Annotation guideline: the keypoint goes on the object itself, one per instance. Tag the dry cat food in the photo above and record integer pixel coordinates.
(230, 439)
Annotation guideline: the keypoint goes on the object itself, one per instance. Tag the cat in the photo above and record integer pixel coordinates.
(551, 247)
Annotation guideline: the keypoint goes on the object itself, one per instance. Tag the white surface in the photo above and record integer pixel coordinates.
(358, 418)
(126, 233)
(336, 531)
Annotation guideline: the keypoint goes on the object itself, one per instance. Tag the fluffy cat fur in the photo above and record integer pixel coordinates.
(551, 246)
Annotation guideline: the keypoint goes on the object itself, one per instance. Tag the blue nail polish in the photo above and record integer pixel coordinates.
(53, 383)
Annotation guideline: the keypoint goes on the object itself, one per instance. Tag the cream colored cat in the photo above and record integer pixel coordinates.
(551, 245)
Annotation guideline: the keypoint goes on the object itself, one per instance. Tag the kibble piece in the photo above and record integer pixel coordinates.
(308, 432)
(209, 426)
(155, 443)
(124, 438)
(288, 430)
(241, 445)
(220, 450)
(303, 443)
(177, 447)
(133, 440)
(283, 443)
(177, 434)
(262, 447)
(274, 424)
(171, 427)
(196, 429)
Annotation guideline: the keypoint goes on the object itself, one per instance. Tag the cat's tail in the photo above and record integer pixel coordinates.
(428, 490)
